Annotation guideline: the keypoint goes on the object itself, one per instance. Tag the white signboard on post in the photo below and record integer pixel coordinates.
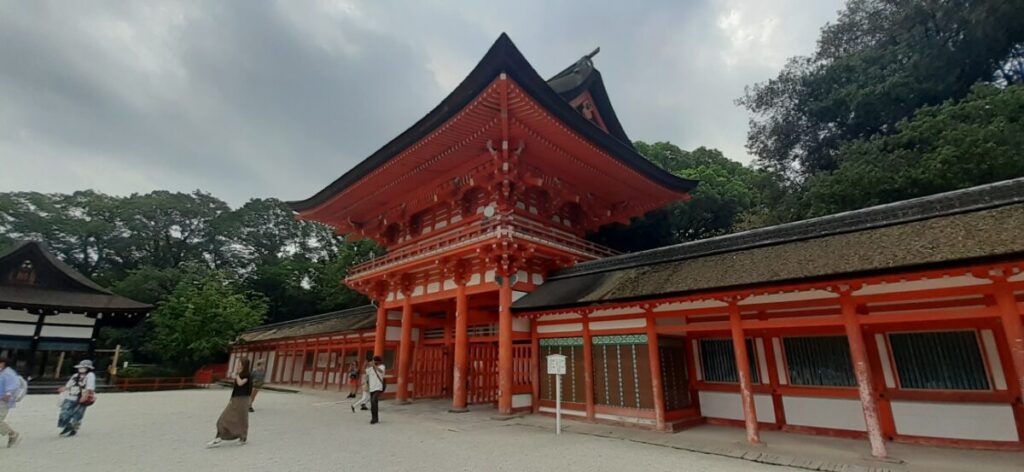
(556, 367)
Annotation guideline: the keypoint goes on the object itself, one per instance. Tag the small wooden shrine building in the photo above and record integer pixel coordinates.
(894, 323)
(50, 313)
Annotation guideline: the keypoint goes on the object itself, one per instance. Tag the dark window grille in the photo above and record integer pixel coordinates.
(819, 361)
(719, 361)
(944, 360)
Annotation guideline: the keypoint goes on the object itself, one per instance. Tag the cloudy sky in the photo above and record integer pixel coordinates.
(278, 98)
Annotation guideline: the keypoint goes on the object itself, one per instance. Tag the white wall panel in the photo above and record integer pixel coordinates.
(561, 328)
(835, 413)
(987, 422)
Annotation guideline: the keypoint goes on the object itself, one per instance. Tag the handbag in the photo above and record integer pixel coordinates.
(87, 399)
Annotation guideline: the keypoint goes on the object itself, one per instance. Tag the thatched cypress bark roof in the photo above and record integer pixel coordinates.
(977, 223)
(352, 319)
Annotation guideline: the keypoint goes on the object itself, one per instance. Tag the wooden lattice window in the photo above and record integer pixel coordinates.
(622, 372)
(719, 362)
(819, 361)
(573, 380)
(942, 360)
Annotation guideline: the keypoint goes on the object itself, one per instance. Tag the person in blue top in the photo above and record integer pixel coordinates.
(9, 386)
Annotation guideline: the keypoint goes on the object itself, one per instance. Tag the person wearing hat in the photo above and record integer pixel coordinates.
(78, 394)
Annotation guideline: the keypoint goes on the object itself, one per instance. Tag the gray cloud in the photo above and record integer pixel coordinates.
(265, 98)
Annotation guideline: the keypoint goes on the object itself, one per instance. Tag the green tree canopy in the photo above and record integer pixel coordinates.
(727, 191)
(200, 319)
(877, 64)
(954, 145)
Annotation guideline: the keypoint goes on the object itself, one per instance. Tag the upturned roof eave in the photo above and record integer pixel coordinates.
(503, 56)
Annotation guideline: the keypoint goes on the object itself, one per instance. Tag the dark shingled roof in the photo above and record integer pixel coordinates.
(503, 56)
(352, 319)
(581, 77)
(971, 224)
(57, 286)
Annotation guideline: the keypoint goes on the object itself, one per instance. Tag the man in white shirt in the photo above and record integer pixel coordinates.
(375, 380)
(10, 385)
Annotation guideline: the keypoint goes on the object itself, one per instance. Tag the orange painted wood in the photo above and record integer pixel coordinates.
(505, 348)
(739, 345)
(405, 351)
(862, 371)
(461, 367)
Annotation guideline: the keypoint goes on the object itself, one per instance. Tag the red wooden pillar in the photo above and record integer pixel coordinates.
(739, 347)
(381, 330)
(654, 360)
(862, 370)
(535, 366)
(588, 368)
(461, 348)
(505, 347)
(1013, 327)
(405, 349)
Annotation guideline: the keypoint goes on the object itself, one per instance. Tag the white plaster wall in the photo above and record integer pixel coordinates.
(618, 324)
(835, 413)
(522, 400)
(980, 421)
(433, 287)
(11, 329)
(286, 370)
(728, 405)
(690, 305)
(17, 315)
(560, 328)
(521, 325)
(616, 311)
(450, 284)
(70, 318)
(516, 295)
(945, 282)
(474, 280)
(84, 332)
(271, 360)
(537, 279)
(393, 333)
(565, 316)
(788, 297)
(988, 340)
(546, 409)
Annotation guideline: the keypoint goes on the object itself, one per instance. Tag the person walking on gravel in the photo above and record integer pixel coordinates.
(10, 386)
(375, 379)
(78, 394)
(234, 421)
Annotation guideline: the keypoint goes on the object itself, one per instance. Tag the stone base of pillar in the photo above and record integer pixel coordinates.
(458, 410)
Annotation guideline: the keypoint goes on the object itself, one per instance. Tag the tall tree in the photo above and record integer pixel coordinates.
(974, 141)
(201, 318)
(727, 191)
(878, 63)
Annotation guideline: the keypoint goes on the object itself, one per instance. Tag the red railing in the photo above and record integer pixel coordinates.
(156, 383)
(474, 232)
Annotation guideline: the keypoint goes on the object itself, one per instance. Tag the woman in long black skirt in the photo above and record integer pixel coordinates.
(234, 421)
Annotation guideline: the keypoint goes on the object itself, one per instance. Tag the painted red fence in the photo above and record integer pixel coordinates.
(157, 383)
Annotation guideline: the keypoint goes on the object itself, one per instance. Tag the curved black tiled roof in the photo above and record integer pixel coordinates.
(503, 56)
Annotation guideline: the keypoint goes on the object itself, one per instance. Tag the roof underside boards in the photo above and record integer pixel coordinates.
(502, 57)
(973, 224)
(55, 286)
(350, 320)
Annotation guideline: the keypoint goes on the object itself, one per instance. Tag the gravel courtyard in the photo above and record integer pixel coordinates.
(167, 431)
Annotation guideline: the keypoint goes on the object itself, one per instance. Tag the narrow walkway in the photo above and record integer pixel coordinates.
(802, 451)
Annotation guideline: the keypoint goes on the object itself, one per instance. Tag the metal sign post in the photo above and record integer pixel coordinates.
(556, 367)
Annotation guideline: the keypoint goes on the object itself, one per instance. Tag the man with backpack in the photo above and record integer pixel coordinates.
(11, 386)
